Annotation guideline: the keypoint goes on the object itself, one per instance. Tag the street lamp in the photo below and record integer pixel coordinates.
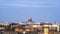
(24, 32)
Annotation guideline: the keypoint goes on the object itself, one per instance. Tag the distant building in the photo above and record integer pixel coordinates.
(30, 25)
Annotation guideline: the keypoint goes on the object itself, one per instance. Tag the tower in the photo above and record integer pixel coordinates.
(29, 21)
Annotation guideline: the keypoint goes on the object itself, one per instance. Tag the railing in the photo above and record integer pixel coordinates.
(28, 32)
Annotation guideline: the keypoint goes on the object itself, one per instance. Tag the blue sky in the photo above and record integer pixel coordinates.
(39, 10)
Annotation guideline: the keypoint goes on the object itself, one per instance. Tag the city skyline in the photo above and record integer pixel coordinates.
(38, 10)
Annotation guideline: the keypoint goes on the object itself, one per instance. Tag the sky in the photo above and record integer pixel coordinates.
(38, 10)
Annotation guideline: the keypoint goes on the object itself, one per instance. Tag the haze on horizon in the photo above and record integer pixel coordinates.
(38, 10)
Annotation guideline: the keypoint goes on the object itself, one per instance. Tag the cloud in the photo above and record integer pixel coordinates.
(24, 5)
(36, 4)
